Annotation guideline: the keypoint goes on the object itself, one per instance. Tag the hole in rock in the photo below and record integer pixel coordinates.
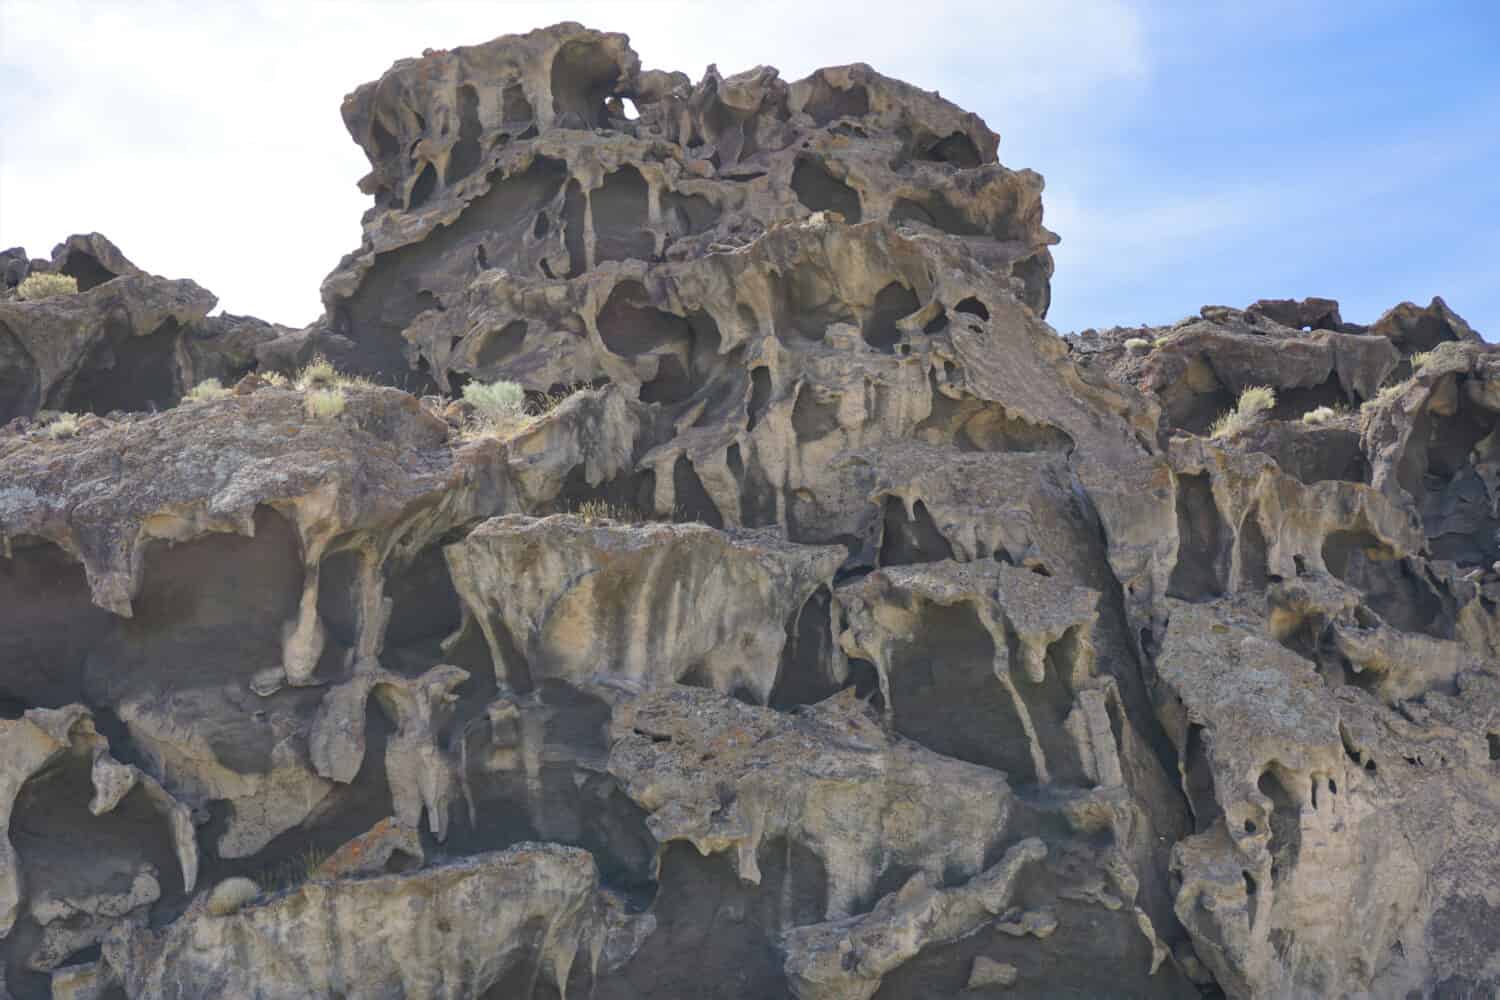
(945, 694)
(760, 395)
(904, 540)
(812, 419)
(51, 624)
(562, 796)
(1286, 823)
(805, 675)
(689, 214)
(1493, 739)
(982, 425)
(1035, 275)
(705, 910)
(973, 307)
(390, 296)
(86, 270)
(829, 103)
(820, 191)
(583, 74)
(122, 372)
(1389, 585)
(620, 216)
(693, 501)
(386, 145)
(1253, 571)
(502, 344)
(1249, 884)
(515, 109)
(1202, 549)
(422, 190)
(573, 235)
(957, 149)
(209, 616)
(1198, 780)
(20, 383)
(465, 156)
(893, 302)
(937, 212)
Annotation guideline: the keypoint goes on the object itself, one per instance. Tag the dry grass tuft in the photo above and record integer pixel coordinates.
(208, 389)
(45, 286)
(324, 404)
(1254, 401)
(64, 425)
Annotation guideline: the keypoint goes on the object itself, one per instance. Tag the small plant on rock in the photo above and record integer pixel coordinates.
(1420, 358)
(209, 388)
(319, 373)
(64, 425)
(324, 404)
(499, 407)
(1321, 415)
(1137, 344)
(1254, 401)
(603, 510)
(43, 285)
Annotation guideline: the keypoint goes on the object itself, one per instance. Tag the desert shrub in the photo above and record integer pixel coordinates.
(1254, 401)
(499, 408)
(64, 425)
(497, 401)
(1138, 344)
(1321, 415)
(43, 285)
(1420, 358)
(324, 404)
(275, 379)
(209, 388)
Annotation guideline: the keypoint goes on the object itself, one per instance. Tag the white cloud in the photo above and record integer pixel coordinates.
(205, 139)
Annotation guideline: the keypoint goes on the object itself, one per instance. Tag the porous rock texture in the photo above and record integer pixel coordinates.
(829, 628)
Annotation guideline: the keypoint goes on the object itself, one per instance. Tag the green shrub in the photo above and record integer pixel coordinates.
(1137, 344)
(496, 400)
(1254, 401)
(499, 408)
(324, 404)
(43, 285)
(209, 388)
(1420, 358)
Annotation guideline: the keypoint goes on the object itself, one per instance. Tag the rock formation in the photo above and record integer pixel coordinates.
(829, 627)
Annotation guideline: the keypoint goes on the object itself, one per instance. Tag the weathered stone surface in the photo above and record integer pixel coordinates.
(827, 626)
(522, 916)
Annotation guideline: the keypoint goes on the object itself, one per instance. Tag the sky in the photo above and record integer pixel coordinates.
(1195, 152)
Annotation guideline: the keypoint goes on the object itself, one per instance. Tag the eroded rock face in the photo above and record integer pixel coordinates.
(828, 628)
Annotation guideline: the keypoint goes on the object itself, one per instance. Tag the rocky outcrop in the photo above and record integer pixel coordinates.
(826, 626)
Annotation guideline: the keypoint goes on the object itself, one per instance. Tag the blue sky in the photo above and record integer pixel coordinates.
(1194, 152)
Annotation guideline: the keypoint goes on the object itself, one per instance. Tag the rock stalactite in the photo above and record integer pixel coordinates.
(826, 627)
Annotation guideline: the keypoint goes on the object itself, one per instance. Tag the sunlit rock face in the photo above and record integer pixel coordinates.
(827, 627)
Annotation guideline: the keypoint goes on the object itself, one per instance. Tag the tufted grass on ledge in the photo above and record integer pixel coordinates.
(43, 285)
(208, 389)
(324, 404)
(64, 425)
(1254, 401)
